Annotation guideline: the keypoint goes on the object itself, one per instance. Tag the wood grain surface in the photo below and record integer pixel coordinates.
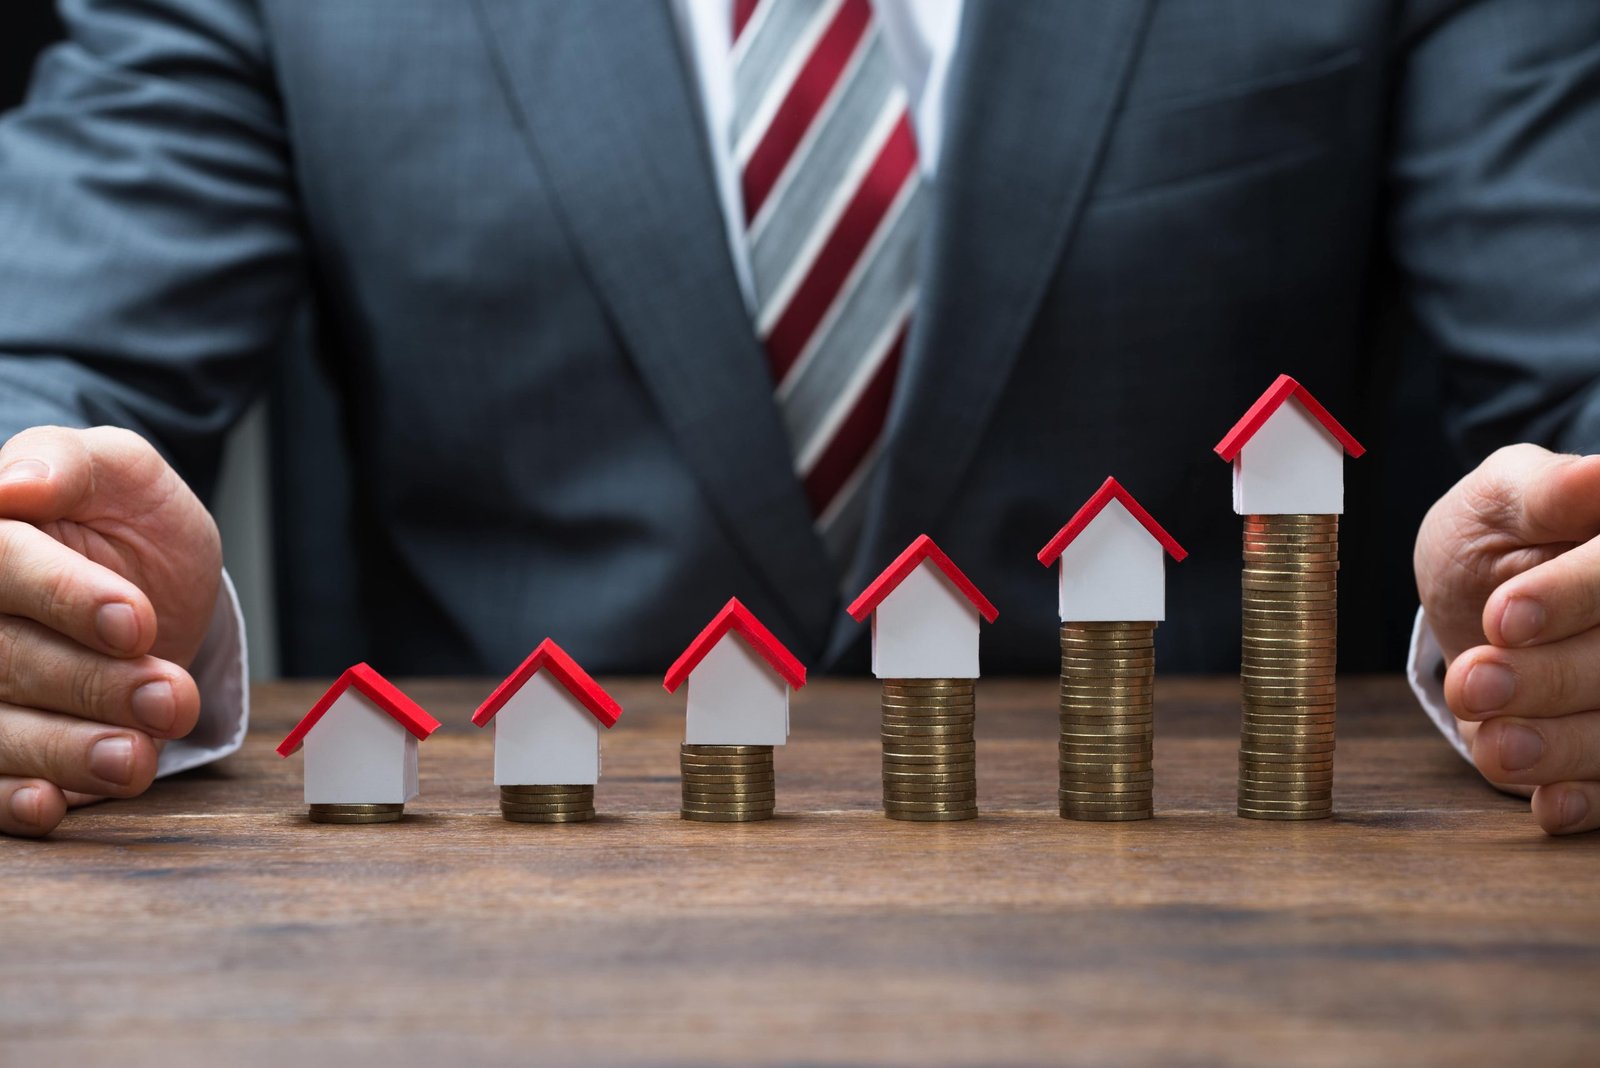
(208, 922)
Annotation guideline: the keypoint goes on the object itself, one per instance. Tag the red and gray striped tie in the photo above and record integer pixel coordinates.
(832, 196)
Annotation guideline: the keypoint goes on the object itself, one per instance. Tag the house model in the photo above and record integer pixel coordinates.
(739, 677)
(361, 740)
(924, 617)
(1288, 455)
(547, 719)
(1112, 557)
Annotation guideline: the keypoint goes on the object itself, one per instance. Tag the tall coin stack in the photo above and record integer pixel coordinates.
(547, 804)
(350, 813)
(1289, 649)
(1107, 720)
(727, 783)
(929, 754)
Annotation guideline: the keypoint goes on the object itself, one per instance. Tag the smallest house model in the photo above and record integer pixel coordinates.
(924, 617)
(739, 677)
(361, 740)
(547, 719)
(1288, 455)
(1111, 555)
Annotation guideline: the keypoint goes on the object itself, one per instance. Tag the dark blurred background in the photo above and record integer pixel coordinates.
(1407, 467)
(26, 26)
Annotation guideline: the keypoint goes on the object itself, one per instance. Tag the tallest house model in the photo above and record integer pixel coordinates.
(1288, 483)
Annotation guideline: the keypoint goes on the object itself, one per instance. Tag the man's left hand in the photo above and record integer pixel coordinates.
(1508, 568)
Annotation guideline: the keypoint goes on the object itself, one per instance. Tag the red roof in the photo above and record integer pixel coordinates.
(1269, 402)
(735, 616)
(918, 551)
(566, 670)
(1110, 490)
(379, 690)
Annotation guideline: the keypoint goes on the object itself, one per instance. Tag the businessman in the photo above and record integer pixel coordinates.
(637, 305)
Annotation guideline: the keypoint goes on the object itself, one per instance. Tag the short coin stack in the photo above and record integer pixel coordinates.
(727, 783)
(929, 755)
(1289, 649)
(1107, 720)
(547, 804)
(356, 813)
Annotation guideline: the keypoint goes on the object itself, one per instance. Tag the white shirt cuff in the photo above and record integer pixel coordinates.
(1422, 671)
(221, 670)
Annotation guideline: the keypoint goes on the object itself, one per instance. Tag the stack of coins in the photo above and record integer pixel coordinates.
(1107, 720)
(356, 813)
(727, 783)
(547, 804)
(1291, 565)
(929, 756)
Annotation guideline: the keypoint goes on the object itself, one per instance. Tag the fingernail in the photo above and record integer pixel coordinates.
(25, 471)
(118, 626)
(25, 805)
(1520, 747)
(154, 707)
(1521, 620)
(1574, 808)
(1488, 687)
(112, 759)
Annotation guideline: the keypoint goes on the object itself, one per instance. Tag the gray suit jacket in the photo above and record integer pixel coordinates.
(557, 417)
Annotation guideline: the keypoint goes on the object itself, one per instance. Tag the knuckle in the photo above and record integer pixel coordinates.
(10, 656)
(62, 754)
(87, 690)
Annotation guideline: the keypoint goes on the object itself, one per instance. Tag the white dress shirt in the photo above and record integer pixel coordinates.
(921, 38)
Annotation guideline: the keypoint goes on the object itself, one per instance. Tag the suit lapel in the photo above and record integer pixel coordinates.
(613, 121)
(1031, 97)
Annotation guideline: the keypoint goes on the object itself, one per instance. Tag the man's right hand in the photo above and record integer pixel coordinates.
(109, 572)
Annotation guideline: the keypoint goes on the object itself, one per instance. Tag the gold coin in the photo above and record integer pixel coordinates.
(1281, 791)
(726, 817)
(918, 791)
(1107, 817)
(909, 716)
(557, 791)
(1110, 733)
(1094, 811)
(928, 688)
(731, 763)
(702, 805)
(1245, 813)
(1303, 764)
(935, 817)
(1102, 791)
(721, 801)
(947, 697)
(1278, 805)
(1083, 752)
(1108, 646)
(698, 749)
(355, 817)
(926, 702)
(926, 730)
(722, 786)
(960, 773)
(576, 816)
(909, 747)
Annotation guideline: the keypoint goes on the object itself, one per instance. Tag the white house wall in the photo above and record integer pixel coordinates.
(925, 629)
(1291, 466)
(544, 736)
(358, 754)
(1113, 570)
(735, 698)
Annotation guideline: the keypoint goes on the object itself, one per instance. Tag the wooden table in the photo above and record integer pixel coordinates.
(1430, 922)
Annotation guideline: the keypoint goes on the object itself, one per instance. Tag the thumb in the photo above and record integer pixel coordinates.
(1541, 497)
(50, 473)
